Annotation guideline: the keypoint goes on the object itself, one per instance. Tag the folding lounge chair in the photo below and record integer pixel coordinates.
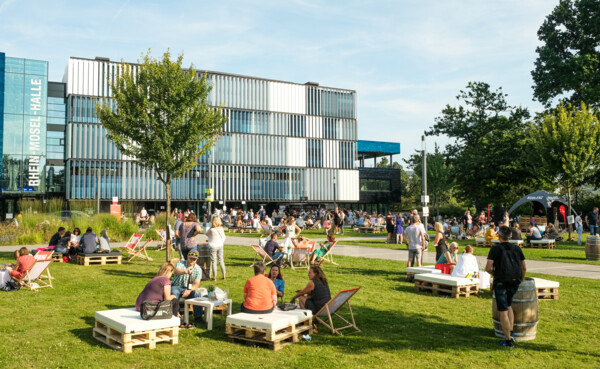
(162, 234)
(34, 274)
(328, 256)
(44, 256)
(134, 251)
(261, 253)
(303, 254)
(332, 307)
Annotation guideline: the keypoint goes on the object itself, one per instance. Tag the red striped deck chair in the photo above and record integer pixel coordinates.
(261, 254)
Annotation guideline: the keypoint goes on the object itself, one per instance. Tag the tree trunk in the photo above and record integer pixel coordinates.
(168, 229)
(569, 211)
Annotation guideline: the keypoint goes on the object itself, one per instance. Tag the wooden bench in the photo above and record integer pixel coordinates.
(122, 329)
(411, 271)
(275, 330)
(542, 244)
(546, 290)
(99, 259)
(443, 283)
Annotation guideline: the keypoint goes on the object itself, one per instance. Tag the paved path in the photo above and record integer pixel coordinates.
(534, 266)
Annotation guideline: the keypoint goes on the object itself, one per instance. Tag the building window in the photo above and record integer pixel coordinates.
(375, 184)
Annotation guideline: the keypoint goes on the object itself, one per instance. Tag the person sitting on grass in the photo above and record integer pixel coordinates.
(316, 293)
(187, 280)
(24, 262)
(551, 232)
(466, 264)
(260, 295)
(448, 260)
(318, 254)
(277, 278)
(159, 289)
(490, 234)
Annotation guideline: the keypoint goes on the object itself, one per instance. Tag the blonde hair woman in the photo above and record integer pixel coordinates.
(159, 289)
(440, 241)
(216, 241)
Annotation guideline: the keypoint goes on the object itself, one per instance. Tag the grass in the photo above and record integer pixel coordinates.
(566, 252)
(53, 327)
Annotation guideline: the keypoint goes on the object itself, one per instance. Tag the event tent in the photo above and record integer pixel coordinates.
(542, 201)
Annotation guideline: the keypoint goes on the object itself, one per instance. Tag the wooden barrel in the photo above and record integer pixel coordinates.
(592, 248)
(525, 308)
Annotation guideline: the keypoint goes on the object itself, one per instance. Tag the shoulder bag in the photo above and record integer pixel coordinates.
(151, 310)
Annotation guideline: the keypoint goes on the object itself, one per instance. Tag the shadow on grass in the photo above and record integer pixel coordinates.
(396, 330)
(129, 274)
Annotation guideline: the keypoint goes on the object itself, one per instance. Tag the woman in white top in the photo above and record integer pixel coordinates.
(466, 264)
(216, 240)
(75, 237)
(290, 232)
(579, 227)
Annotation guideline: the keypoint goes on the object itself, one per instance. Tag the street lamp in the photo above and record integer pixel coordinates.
(424, 197)
(334, 194)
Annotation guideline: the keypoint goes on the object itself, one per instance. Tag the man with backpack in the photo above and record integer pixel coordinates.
(506, 263)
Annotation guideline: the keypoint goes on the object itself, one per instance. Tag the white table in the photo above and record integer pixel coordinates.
(208, 306)
(4, 277)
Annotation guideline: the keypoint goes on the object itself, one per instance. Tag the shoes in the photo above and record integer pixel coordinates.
(507, 343)
(512, 336)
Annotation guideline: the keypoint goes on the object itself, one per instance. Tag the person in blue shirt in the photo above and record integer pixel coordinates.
(277, 278)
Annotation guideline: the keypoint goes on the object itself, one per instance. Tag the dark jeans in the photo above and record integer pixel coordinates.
(530, 238)
(249, 311)
(178, 291)
(593, 229)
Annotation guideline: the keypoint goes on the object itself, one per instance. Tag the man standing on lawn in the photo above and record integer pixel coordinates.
(416, 239)
(506, 263)
(592, 220)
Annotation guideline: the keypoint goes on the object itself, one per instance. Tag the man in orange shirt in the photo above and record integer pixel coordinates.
(260, 295)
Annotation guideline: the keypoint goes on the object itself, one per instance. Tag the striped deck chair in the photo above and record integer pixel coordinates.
(134, 250)
(332, 307)
(34, 274)
(327, 257)
(261, 253)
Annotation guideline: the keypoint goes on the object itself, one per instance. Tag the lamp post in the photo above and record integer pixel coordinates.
(334, 193)
(424, 197)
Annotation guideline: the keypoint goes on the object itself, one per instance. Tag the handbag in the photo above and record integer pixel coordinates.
(151, 310)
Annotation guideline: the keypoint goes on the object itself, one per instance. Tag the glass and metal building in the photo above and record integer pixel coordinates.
(283, 142)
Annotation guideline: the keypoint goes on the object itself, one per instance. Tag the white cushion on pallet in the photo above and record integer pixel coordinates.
(480, 239)
(276, 320)
(446, 280)
(423, 269)
(542, 241)
(129, 321)
(544, 283)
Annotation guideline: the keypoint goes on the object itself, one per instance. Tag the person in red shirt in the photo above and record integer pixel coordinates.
(260, 295)
(24, 262)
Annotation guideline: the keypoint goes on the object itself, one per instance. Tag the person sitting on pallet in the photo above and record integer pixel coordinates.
(24, 262)
(159, 289)
(551, 232)
(260, 295)
(187, 280)
(534, 234)
(277, 278)
(466, 265)
(316, 293)
(448, 260)
(490, 234)
(515, 232)
(88, 243)
(320, 252)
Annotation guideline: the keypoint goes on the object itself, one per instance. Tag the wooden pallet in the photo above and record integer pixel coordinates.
(101, 259)
(481, 243)
(537, 245)
(126, 341)
(274, 339)
(410, 277)
(57, 257)
(453, 291)
(550, 293)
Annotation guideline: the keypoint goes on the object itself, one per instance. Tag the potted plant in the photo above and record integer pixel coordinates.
(211, 292)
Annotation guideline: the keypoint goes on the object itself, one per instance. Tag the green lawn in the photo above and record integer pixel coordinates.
(566, 252)
(400, 328)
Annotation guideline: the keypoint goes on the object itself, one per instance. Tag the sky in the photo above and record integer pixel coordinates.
(406, 59)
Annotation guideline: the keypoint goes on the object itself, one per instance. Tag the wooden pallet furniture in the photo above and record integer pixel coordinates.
(546, 289)
(411, 271)
(481, 242)
(114, 257)
(542, 244)
(275, 330)
(331, 308)
(445, 284)
(514, 242)
(123, 329)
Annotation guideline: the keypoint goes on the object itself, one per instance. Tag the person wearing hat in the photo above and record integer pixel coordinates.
(187, 280)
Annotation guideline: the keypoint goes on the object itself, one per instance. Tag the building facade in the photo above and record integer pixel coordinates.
(282, 142)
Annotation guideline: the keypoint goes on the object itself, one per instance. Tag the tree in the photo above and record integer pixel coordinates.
(567, 142)
(439, 175)
(488, 134)
(568, 61)
(384, 163)
(161, 118)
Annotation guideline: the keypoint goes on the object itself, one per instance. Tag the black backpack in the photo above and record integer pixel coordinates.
(510, 264)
